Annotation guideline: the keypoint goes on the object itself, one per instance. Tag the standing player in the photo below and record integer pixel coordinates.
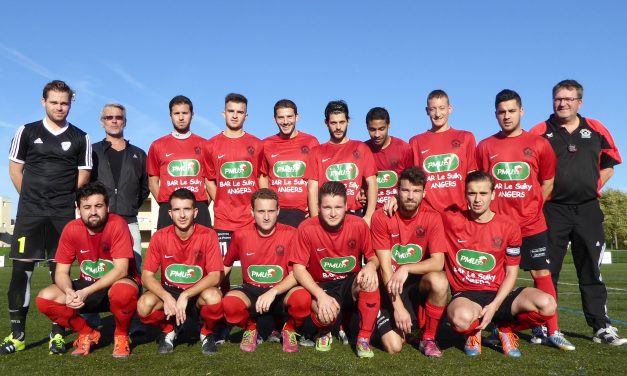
(445, 154)
(285, 159)
(482, 266)
(175, 161)
(391, 155)
(121, 167)
(269, 287)
(48, 160)
(523, 166)
(188, 255)
(586, 156)
(232, 162)
(327, 262)
(102, 245)
(411, 248)
(341, 159)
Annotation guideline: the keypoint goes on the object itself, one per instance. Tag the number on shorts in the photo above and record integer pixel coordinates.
(22, 241)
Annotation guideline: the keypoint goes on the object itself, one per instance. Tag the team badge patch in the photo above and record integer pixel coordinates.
(280, 250)
(304, 150)
(251, 150)
(456, 144)
(528, 152)
(351, 243)
(420, 231)
(585, 133)
(197, 150)
(356, 154)
(497, 242)
(65, 145)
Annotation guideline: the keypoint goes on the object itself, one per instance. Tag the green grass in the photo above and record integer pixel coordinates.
(588, 359)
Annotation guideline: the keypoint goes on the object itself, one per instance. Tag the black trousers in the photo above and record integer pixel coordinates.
(582, 225)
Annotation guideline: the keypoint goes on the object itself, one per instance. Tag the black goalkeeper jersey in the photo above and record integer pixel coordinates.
(51, 163)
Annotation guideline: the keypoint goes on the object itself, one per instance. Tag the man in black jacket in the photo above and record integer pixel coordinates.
(121, 167)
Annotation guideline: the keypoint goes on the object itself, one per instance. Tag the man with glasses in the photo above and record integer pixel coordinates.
(586, 156)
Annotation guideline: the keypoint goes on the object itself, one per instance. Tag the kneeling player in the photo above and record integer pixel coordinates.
(268, 288)
(327, 262)
(411, 248)
(482, 266)
(108, 281)
(188, 255)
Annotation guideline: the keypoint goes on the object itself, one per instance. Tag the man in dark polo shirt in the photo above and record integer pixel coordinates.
(586, 156)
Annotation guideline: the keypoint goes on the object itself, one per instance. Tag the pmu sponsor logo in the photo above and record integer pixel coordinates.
(338, 264)
(475, 260)
(406, 254)
(181, 273)
(265, 273)
(387, 179)
(342, 171)
(511, 170)
(236, 170)
(441, 163)
(289, 169)
(184, 167)
(96, 269)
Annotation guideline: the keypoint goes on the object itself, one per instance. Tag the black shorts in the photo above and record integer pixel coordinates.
(277, 308)
(224, 239)
(534, 254)
(483, 298)
(291, 217)
(203, 216)
(341, 290)
(192, 306)
(411, 299)
(36, 238)
(96, 302)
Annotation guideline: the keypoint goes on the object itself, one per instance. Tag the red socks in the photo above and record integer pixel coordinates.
(525, 320)
(432, 321)
(368, 303)
(471, 329)
(157, 318)
(545, 284)
(210, 314)
(63, 315)
(123, 304)
(235, 311)
(298, 308)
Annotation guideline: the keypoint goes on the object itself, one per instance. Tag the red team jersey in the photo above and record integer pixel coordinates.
(330, 256)
(263, 259)
(183, 262)
(234, 164)
(349, 163)
(519, 165)
(95, 253)
(285, 163)
(479, 252)
(446, 158)
(390, 161)
(410, 240)
(178, 163)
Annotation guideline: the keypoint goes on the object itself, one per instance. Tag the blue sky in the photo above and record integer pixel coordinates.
(369, 53)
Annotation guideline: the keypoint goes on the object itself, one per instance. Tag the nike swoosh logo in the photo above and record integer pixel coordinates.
(493, 156)
(250, 253)
(274, 155)
(168, 256)
(424, 151)
(168, 154)
(84, 251)
(320, 249)
(461, 241)
(325, 159)
(395, 235)
(220, 156)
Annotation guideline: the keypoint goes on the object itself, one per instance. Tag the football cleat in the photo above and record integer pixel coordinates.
(56, 345)
(121, 346)
(473, 344)
(10, 345)
(558, 340)
(539, 335)
(430, 348)
(363, 348)
(290, 344)
(166, 342)
(323, 341)
(208, 344)
(249, 341)
(509, 341)
(84, 341)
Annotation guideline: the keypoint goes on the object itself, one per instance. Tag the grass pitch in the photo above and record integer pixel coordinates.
(588, 359)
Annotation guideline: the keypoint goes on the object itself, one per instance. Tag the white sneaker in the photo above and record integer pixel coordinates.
(558, 340)
(609, 335)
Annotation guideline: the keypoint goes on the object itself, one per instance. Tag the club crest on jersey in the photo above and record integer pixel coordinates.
(96, 269)
(342, 171)
(356, 154)
(497, 242)
(236, 170)
(181, 273)
(197, 150)
(251, 150)
(441, 163)
(456, 144)
(585, 133)
(184, 167)
(289, 169)
(387, 179)
(528, 152)
(511, 170)
(338, 264)
(406, 254)
(265, 273)
(420, 232)
(279, 250)
(351, 243)
(475, 260)
(304, 149)
(65, 145)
